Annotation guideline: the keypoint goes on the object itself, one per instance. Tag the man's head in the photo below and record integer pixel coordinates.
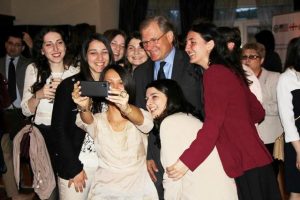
(14, 44)
(158, 37)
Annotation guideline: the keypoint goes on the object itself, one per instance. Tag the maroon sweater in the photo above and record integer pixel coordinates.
(231, 111)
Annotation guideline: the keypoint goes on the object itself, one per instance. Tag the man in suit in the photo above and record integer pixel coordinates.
(13, 67)
(166, 61)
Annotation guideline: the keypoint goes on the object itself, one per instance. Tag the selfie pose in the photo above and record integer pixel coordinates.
(76, 158)
(120, 136)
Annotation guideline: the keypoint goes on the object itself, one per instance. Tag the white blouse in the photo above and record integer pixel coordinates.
(288, 81)
(45, 106)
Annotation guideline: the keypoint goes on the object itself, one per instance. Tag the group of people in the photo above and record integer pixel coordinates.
(198, 123)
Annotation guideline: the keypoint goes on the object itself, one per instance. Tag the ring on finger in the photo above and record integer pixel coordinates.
(123, 94)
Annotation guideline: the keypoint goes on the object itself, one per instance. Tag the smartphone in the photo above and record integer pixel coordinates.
(94, 88)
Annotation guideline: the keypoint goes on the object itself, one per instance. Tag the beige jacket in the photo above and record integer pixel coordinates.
(43, 179)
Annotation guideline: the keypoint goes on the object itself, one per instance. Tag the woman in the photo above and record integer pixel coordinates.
(42, 77)
(135, 54)
(177, 127)
(120, 140)
(231, 111)
(270, 128)
(117, 40)
(288, 95)
(77, 160)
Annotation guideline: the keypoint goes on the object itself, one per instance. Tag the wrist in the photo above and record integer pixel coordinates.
(127, 110)
(35, 96)
(83, 109)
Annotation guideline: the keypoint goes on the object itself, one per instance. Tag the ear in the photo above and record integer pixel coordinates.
(170, 36)
(42, 52)
(210, 45)
(262, 60)
(23, 47)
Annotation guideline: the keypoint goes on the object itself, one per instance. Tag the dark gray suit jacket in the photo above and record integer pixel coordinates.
(20, 71)
(188, 77)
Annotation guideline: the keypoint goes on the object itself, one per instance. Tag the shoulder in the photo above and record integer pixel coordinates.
(179, 118)
(220, 71)
(270, 74)
(287, 76)
(144, 67)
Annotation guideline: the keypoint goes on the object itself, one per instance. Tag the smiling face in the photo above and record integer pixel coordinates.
(159, 43)
(136, 55)
(156, 102)
(97, 58)
(54, 47)
(118, 47)
(198, 49)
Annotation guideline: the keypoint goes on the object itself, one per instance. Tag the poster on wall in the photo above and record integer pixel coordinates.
(285, 27)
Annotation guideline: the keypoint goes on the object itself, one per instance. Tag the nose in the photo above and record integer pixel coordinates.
(55, 47)
(99, 57)
(187, 47)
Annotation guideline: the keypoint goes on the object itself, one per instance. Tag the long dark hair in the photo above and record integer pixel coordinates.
(40, 61)
(220, 53)
(85, 72)
(293, 54)
(126, 78)
(176, 102)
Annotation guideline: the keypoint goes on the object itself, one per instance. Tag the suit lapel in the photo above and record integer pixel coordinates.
(178, 66)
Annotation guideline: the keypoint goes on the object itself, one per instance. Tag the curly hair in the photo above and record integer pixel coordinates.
(40, 61)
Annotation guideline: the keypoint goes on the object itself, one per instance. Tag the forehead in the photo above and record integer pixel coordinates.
(249, 51)
(111, 74)
(152, 30)
(134, 41)
(119, 38)
(14, 39)
(153, 90)
(52, 36)
(96, 44)
(194, 35)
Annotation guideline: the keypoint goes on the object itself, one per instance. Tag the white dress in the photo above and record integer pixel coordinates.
(209, 180)
(122, 172)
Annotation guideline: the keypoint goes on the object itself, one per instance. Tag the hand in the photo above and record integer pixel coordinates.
(119, 98)
(83, 102)
(177, 170)
(47, 92)
(55, 82)
(298, 161)
(78, 181)
(152, 169)
(28, 40)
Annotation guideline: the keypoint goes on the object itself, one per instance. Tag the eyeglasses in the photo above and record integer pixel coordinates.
(145, 44)
(250, 57)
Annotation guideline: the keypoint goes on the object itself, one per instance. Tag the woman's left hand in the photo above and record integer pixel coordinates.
(177, 170)
(119, 98)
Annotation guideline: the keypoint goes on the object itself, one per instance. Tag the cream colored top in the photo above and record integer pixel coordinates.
(122, 172)
(208, 180)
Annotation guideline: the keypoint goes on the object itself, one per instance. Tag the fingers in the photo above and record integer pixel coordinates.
(119, 97)
(177, 170)
(152, 169)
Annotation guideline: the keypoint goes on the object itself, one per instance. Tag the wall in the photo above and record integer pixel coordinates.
(5, 8)
(103, 14)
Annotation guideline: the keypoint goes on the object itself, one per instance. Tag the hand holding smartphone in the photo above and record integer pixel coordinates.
(94, 88)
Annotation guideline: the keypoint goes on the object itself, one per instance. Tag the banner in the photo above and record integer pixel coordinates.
(285, 27)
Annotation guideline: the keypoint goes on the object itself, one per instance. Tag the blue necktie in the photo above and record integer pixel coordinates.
(161, 73)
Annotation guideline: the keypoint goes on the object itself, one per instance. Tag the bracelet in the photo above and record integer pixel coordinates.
(79, 109)
(127, 111)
